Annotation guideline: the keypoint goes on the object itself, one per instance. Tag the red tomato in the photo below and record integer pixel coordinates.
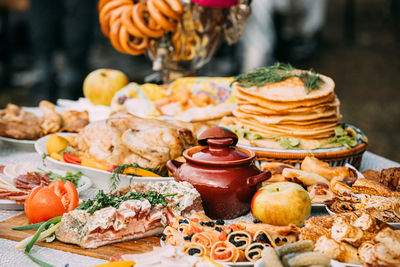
(67, 193)
(71, 158)
(111, 168)
(43, 204)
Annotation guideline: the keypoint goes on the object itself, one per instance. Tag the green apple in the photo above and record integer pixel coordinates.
(101, 85)
(281, 204)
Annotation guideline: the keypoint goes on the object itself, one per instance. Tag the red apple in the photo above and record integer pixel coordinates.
(101, 85)
(281, 204)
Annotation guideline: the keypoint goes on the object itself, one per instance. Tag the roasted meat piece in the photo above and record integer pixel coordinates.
(51, 121)
(127, 139)
(73, 121)
(19, 124)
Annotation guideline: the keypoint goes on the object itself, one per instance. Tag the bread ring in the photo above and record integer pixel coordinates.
(176, 6)
(136, 47)
(166, 24)
(166, 9)
(114, 36)
(127, 22)
(106, 11)
(139, 11)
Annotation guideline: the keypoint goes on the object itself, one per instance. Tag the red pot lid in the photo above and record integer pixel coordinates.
(217, 133)
(219, 150)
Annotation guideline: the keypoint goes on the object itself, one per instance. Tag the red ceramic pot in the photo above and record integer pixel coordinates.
(224, 175)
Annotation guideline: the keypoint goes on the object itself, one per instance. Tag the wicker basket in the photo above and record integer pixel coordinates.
(334, 156)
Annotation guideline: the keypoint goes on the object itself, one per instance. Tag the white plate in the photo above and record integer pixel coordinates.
(395, 225)
(7, 204)
(84, 183)
(27, 145)
(317, 205)
(99, 178)
(233, 264)
(334, 263)
(24, 144)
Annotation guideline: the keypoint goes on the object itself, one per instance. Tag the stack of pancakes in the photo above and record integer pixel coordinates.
(285, 109)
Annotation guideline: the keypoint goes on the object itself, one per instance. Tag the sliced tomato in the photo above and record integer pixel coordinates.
(71, 158)
(112, 167)
(29, 200)
(43, 204)
(67, 193)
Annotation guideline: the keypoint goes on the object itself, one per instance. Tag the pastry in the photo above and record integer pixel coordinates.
(317, 166)
(306, 178)
(319, 193)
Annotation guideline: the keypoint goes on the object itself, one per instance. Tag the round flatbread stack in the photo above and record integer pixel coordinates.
(289, 108)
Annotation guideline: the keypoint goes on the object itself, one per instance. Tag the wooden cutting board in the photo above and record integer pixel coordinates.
(104, 252)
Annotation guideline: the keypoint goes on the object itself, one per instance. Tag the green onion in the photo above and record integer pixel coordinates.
(37, 261)
(40, 234)
(28, 227)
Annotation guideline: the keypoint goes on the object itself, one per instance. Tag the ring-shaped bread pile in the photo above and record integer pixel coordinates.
(130, 24)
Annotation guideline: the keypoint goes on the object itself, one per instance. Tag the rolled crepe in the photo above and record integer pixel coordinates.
(253, 251)
(173, 237)
(265, 238)
(200, 217)
(240, 239)
(206, 238)
(279, 234)
(253, 228)
(194, 249)
(226, 252)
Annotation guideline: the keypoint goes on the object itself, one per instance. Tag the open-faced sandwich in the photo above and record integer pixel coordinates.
(140, 211)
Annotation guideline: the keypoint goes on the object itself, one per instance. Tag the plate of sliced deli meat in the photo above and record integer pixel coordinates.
(17, 180)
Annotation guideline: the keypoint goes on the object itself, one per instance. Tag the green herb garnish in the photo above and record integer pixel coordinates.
(115, 178)
(44, 156)
(285, 142)
(102, 200)
(345, 136)
(288, 143)
(277, 73)
(69, 176)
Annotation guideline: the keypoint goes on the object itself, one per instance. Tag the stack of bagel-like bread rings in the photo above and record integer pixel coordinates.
(130, 24)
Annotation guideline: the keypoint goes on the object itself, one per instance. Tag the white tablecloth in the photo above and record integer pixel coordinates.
(9, 256)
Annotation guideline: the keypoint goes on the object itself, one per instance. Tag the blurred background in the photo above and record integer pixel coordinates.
(47, 47)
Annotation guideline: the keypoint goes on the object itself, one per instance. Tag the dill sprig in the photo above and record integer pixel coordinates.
(115, 178)
(102, 200)
(277, 73)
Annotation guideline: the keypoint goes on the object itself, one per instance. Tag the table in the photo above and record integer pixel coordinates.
(9, 256)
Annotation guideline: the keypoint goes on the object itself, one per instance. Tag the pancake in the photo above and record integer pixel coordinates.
(291, 89)
(302, 119)
(316, 133)
(258, 110)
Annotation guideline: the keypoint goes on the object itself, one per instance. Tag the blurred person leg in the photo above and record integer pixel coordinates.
(43, 21)
(78, 27)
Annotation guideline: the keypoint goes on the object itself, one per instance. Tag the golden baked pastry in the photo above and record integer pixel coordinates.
(311, 164)
(366, 186)
(319, 193)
